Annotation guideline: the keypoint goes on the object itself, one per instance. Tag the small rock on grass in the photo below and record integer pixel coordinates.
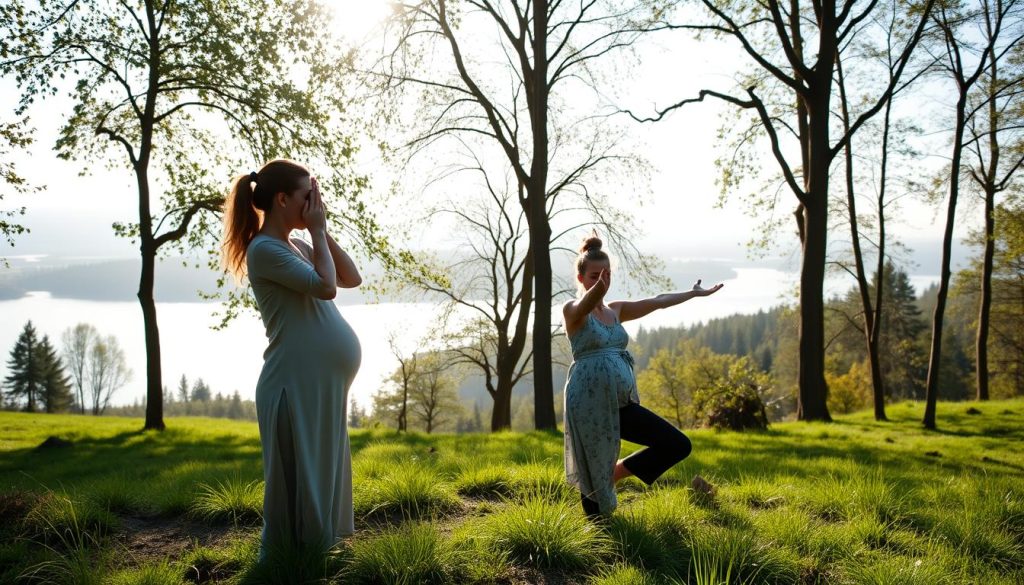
(703, 492)
(53, 442)
(973, 410)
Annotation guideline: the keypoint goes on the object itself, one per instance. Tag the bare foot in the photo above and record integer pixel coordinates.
(620, 472)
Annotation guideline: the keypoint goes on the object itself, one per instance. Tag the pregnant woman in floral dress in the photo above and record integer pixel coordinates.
(601, 401)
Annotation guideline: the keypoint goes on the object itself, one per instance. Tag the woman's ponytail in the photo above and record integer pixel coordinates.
(241, 223)
(251, 197)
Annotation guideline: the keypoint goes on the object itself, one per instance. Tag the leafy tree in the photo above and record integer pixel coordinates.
(787, 70)
(357, 416)
(76, 342)
(994, 151)
(964, 58)
(689, 384)
(26, 369)
(426, 392)
(1006, 342)
(386, 404)
(671, 378)
(13, 135)
(873, 174)
(734, 399)
(849, 391)
(108, 371)
(541, 49)
(184, 94)
(434, 400)
(491, 279)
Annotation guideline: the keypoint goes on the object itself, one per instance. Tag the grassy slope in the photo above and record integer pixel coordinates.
(854, 501)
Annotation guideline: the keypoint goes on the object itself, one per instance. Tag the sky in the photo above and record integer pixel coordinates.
(677, 207)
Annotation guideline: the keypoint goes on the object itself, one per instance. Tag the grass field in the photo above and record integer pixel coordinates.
(853, 501)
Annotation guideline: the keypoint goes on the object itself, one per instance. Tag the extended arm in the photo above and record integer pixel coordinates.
(629, 310)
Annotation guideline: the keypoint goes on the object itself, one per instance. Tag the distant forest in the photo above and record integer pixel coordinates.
(769, 340)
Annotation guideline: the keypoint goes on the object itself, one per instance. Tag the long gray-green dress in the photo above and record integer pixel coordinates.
(301, 395)
(600, 382)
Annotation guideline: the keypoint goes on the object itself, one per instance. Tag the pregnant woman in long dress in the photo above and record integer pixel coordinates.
(311, 357)
(601, 401)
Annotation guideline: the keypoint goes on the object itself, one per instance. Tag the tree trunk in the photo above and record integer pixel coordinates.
(540, 228)
(876, 330)
(154, 386)
(402, 414)
(813, 391)
(148, 247)
(935, 357)
(985, 309)
(154, 398)
(858, 259)
(501, 416)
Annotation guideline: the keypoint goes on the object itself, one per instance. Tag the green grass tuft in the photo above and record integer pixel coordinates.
(488, 481)
(205, 564)
(624, 575)
(57, 518)
(411, 491)
(412, 554)
(162, 573)
(544, 533)
(654, 547)
(231, 501)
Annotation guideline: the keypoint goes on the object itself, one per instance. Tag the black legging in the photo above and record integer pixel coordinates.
(666, 446)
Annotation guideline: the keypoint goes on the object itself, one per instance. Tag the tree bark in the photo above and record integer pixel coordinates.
(876, 330)
(935, 357)
(501, 416)
(154, 387)
(858, 259)
(540, 228)
(985, 305)
(154, 379)
(985, 308)
(813, 391)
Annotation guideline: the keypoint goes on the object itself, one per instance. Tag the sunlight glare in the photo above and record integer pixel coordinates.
(354, 19)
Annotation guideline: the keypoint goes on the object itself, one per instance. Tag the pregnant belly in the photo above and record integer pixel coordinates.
(326, 343)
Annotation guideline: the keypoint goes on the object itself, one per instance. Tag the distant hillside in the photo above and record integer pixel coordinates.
(754, 334)
(118, 280)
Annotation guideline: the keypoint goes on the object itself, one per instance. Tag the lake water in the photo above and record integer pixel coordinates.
(231, 359)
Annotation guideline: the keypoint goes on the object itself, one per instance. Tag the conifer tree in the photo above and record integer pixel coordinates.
(25, 379)
(55, 392)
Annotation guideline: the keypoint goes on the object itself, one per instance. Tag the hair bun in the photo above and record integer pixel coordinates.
(592, 243)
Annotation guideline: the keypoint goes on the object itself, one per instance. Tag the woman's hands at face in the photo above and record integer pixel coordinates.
(313, 212)
(703, 292)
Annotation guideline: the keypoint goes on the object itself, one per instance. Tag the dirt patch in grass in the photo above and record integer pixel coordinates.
(14, 506)
(157, 537)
